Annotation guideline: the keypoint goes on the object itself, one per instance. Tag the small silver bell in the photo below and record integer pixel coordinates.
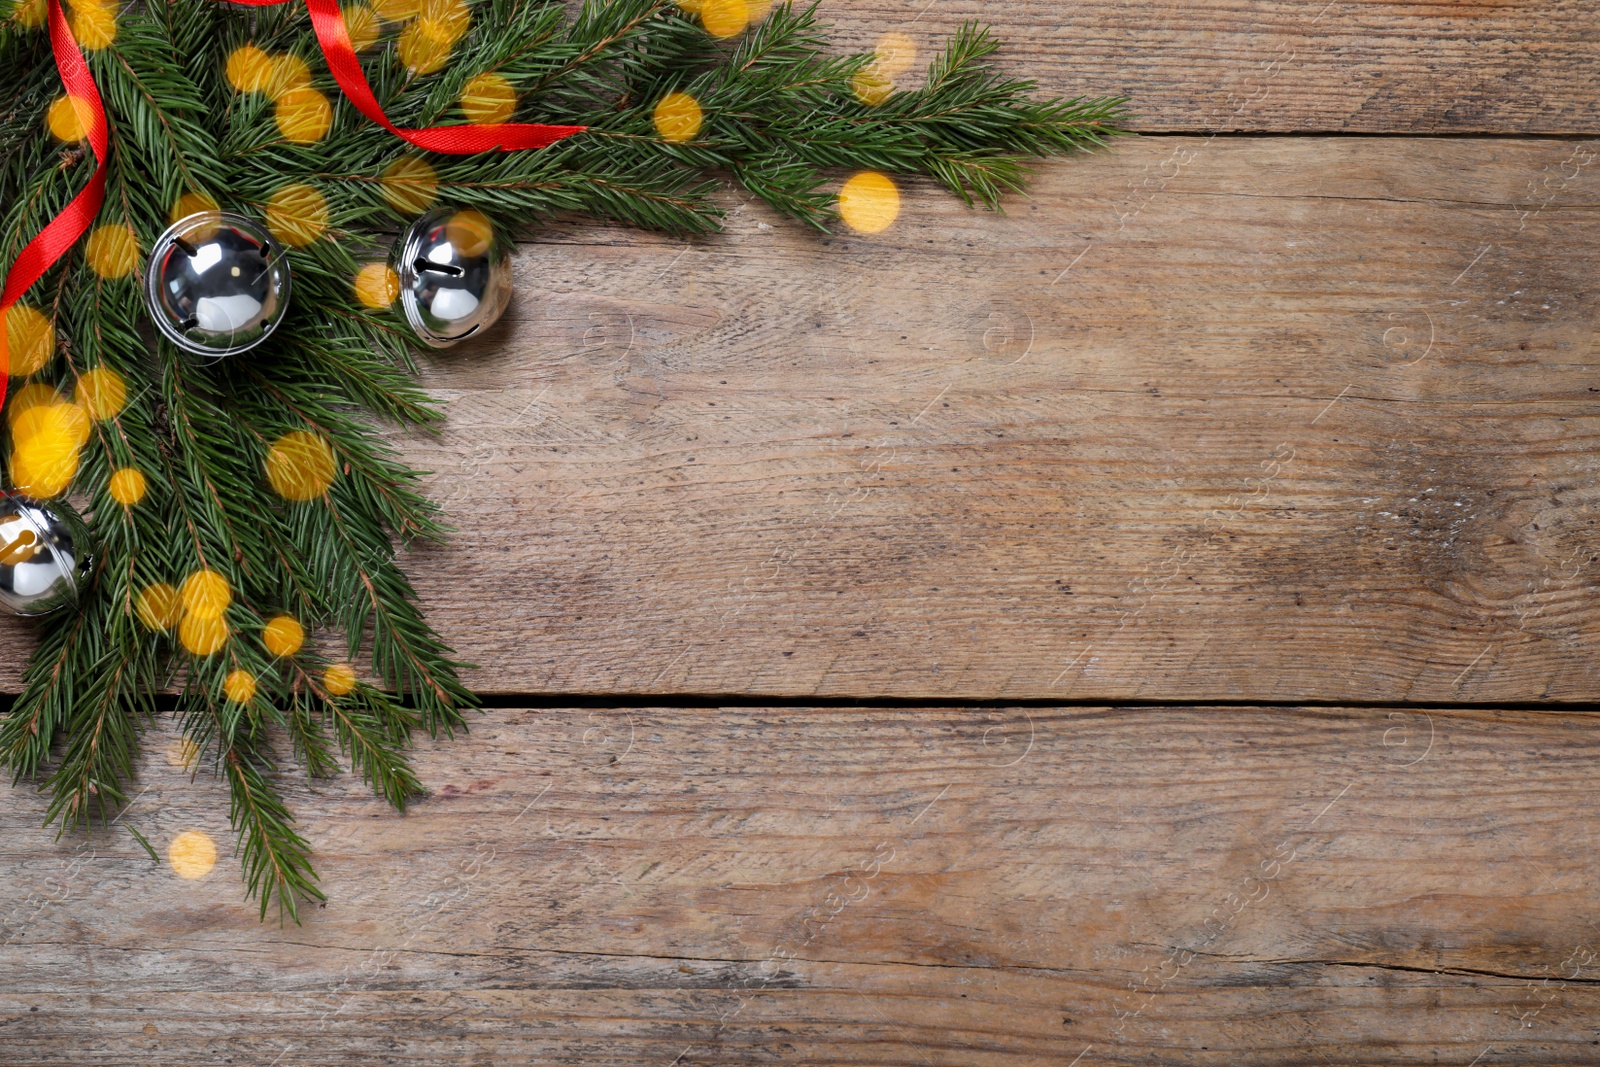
(217, 283)
(45, 555)
(454, 283)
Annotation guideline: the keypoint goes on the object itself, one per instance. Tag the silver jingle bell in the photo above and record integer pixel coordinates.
(454, 282)
(45, 555)
(217, 283)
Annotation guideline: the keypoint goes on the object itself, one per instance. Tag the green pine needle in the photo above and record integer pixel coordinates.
(781, 118)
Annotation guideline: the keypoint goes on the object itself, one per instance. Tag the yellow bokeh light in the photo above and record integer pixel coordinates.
(895, 54)
(182, 752)
(43, 464)
(678, 117)
(112, 250)
(488, 99)
(192, 854)
(190, 204)
(446, 20)
(869, 202)
(303, 115)
(102, 393)
(409, 184)
(56, 416)
(283, 635)
(206, 595)
(249, 69)
(69, 118)
(339, 679)
(202, 636)
(31, 13)
(44, 468)
(31, 396)
(300, 465)
(422, 50)
(871, 86)
(30, 340)
(286, 72)
(362, 26)
(377, 285)
(127, 486)
(239, 686)
(94, 25)
(395, 10)
(297, 215)
(470, 231)
(724, 18)
(158, 606)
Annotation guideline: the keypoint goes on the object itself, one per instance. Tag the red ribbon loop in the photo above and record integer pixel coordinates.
(63, 231)
(328, 22)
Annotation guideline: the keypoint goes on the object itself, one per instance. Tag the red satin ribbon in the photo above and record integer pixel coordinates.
(328, 22)
(63, 231)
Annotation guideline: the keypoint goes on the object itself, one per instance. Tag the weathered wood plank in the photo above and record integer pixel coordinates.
(1270, 419)
(1434, 66)
(924, 886)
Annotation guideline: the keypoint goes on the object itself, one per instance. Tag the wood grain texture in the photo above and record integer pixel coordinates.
(1272, 419)
(922, 886)
(1417, 66)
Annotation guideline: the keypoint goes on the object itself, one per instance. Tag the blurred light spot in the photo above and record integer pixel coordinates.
(470, 231)
(362, 26)
(127, 486)
(286, 72)
(94, 23)
(202, 636)
(297, 215)
(422, 49)
(113, 250)
(102, 393)
(303, 115)
(377, 285)
(158, 606)
(206, 595)
(31, 13)
(678, 117)
(724, 18)
(895, 54)
(69, 118)
(488, 99)
(869, 202)
(283, 635)
(31, 340)
(409, 184)
(239, 686)
(182, 752)
(339, 679)
(192, 854)
(395, 10)
(300, 465)
(249, 69)
(30, 396)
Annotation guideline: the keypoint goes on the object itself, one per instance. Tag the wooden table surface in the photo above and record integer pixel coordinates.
(1154, 626)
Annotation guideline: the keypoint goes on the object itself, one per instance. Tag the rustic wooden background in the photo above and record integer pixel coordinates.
(1155, 626)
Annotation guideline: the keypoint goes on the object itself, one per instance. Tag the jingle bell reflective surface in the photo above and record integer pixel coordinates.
(453, 282)
(45, 555)
(217, 283)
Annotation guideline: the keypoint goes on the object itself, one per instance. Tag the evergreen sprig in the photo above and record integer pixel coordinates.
(781, 116)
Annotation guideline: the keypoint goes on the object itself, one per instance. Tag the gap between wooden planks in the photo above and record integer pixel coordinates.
(1206, 418)
(855, 886)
